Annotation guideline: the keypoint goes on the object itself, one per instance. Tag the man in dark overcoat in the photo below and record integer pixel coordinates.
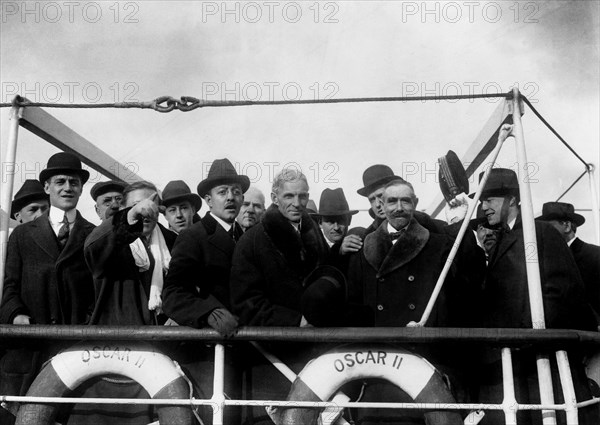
(196, 291)
(505, 299)
(47, 281)
(395, 272)
(563, 217)
(29, 202)
(270, 264)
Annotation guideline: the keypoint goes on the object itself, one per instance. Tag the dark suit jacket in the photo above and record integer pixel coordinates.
(506, 299)
(49, 285)
(587, 257)
(198, 278)
(121, 289)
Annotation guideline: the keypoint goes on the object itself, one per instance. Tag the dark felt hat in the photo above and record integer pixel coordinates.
(560, 211)
(222, 172)
(333, 203)
(324, 298)
(453, 177)
(176, 191)
(64, 163)
(376, 176)
(32, 190)
(101, 188)
(311, 207)
(501, 182)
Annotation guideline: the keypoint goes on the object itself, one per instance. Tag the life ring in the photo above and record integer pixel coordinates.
(153, 370)
(324, 375)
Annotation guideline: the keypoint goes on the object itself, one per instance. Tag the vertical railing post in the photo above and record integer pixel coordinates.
(594, 199)
(218, 397)
(509, 402)
(566, 381)
(7, 186)
(534, 282)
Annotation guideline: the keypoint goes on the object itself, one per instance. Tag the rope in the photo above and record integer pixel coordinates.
(570, 187)
(587, 166)
(189, 103)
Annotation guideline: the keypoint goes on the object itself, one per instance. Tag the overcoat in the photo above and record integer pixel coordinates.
(47, 284)
(587, 258)
(121, 289)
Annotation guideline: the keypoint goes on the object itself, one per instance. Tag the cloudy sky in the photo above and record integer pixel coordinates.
(96, 52)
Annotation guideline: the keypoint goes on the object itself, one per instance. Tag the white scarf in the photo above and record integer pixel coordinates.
(162, 256)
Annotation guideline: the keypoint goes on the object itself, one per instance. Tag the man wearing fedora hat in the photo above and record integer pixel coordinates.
(563, 217)
(29, 202)
(47, 280)
(505, 297)
(108, 197)
(180, 206)
(196, 291)
(334, 216)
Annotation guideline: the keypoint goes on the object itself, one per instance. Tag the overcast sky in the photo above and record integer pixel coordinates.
(95, 52)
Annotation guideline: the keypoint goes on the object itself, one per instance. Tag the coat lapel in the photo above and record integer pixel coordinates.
(217, 236)
(385, 257)
(44, 236)
(507, 239)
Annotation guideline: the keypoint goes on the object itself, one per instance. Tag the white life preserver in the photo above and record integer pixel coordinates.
(153, 370)
(324, 375)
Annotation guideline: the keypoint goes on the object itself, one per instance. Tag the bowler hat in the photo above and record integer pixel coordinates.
(32, 190)
(453, 177)
(333, 203)
(560, 211)
(177, 190)
(500, 182)
(222, 172)
(324, 298)
(101, 188)
(64, 163)
(376, 176)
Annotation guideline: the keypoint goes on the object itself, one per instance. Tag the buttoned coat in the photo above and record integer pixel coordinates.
(198, 278)
(396, 281)
(121, 289)
(587, 258)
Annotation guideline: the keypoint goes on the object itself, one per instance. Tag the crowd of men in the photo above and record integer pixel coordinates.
(287, 265)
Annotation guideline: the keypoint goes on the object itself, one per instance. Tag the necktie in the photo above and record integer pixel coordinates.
(395, 235)
(63, 232)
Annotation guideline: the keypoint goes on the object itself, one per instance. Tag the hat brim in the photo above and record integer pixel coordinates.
(496, 192)
(18, 204)
(193, 199)
(207, 184)
(110, 187)
(575, 218)
(367, 190)
(49, 172)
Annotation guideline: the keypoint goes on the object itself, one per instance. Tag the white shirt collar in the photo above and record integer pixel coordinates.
(571, 241)
(56, 216)
(326, 239)
(297, 226)
(391, 229)
(223, 224)
(511, 223)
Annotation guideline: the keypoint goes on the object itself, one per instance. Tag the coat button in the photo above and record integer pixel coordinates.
(379, 307)
(382, 279)
(411, 278)
(411, 306)
(53, 321)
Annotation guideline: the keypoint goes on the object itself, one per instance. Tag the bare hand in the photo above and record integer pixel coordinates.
(304, 323)
(457, 208)
(223, 322)
(505, 132)
(22, 319)
(351, 243)
(146, 208)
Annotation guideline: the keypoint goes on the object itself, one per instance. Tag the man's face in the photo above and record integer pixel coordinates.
(252, 209)
(335, 227)
(291, 200)
(108, 204)
(32, 211)
(375, 201)
(136, 196)
(495, 209)
(487, 237)
(180, 215)
(225, 201)
(399, 203)
(64, 191)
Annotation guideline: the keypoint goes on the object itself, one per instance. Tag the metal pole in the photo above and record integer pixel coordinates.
(509, 403)
(566, 381)
(534, 282)
(7, 187)
(218, 397)
(594, 198)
